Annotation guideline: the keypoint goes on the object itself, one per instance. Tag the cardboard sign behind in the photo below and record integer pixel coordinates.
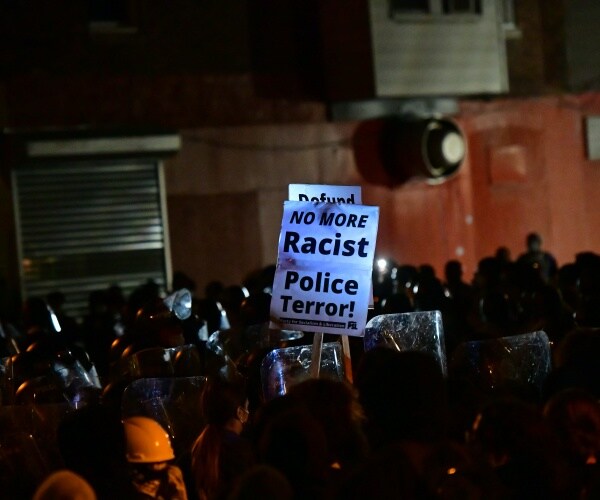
(321, 193)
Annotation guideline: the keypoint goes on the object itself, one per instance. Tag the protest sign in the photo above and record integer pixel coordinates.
(324, 270)
(320, 193)
(328, 194)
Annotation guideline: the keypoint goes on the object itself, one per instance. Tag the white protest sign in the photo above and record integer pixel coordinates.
(324, 193)
(324, 269)
(331, 194)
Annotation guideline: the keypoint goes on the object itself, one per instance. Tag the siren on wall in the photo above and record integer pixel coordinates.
(393, 150)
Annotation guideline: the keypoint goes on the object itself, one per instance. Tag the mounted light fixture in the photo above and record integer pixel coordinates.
(397, 149)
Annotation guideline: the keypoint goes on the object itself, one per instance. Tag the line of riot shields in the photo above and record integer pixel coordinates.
(165, 381)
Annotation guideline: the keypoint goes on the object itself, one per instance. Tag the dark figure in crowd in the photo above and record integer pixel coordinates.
(576, 363)
(588, 286)
(457, 288)
(574, 415)
(99, 330)
(414, 412)
(293, 442)
(503, 255)
(387, 475)
(264, 482)
(334, 405)
(513, 438)
(214, 290)
(260, 280)
(182, 280)
(537, 258)
(495, 307)
(233, 298)
(91, 442)
(460, 297)
(568, 286)
(429, 294)
(396, 303)
(144, 295)
(220, 454)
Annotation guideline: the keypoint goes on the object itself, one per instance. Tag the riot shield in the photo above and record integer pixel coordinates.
(173, 402)
(283, 368)
(229, 350)
(158, 362)
(24, 367)
(233, 343)
(80, 386)
(22, 466)
(61, 378)
(6, 392)
(28, 446)
(45, 376)
(263, 337)
(414, 331)
(506, 362)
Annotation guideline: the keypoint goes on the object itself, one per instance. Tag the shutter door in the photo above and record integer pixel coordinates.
(84, 227)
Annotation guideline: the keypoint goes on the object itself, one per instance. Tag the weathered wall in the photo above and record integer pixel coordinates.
(529, 172)
(525, 170)
(243, 173)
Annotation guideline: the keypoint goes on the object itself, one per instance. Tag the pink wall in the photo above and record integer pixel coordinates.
(525, 170)
(529, 172)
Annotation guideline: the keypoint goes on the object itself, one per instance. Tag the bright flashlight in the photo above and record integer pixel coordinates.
(382, 265)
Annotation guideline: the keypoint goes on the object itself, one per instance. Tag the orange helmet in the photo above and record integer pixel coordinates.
(147, 441)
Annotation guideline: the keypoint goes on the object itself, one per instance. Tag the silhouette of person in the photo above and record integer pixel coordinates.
(537, 258)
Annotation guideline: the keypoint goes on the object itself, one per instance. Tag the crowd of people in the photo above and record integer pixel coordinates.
(403, 428)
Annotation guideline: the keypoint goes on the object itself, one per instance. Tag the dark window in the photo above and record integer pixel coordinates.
(509, 20)
(462, 6)
(110, 11)
(409, 7)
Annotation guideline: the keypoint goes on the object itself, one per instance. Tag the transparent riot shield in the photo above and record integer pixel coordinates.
(519, 360)
(64, 380)
(79, 386)
(41, 376)
(6, 391)
(22, 368)
(263, 337)
(414, 331)
(28, 446)
(22, 466)
(159, 362)
(283, 368)
(173, 402)
(229, 350)
(221, 349)
(233, 343)
(219, 343)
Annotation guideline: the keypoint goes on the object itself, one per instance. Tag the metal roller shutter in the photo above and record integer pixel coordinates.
(86, 226)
